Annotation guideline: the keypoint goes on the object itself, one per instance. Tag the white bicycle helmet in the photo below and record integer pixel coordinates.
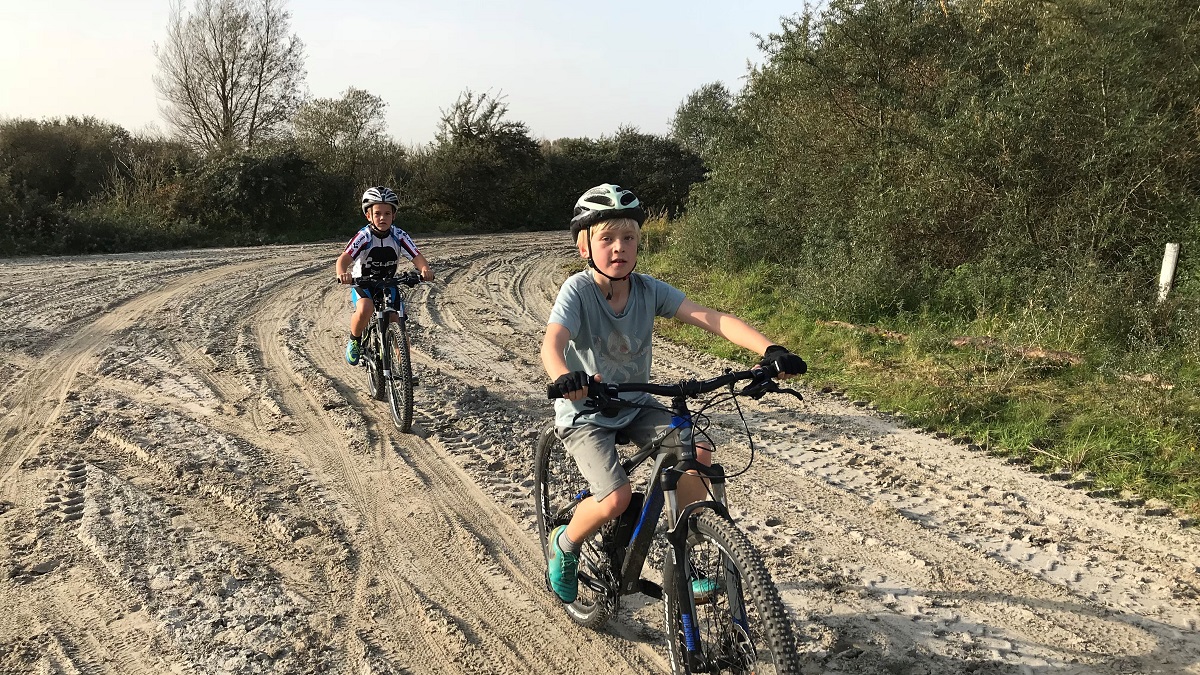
(379, 195)
(605, 202)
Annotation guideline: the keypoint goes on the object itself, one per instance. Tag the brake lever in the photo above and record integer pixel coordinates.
(760, 388)
(761, 385)
(591, 405)
(788, 390)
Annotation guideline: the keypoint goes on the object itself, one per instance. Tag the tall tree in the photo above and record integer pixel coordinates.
(702, 118)
(481, 169)
(229, 73)
(338, 133)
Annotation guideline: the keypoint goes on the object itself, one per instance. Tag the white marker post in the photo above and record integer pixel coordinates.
(1167, 275)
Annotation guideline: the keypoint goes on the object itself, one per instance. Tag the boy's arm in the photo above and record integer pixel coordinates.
(554, 345)
(422, 265)
(342, 268)
(741, 334)
(727, 326)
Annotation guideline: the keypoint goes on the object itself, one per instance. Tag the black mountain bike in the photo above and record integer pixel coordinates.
(385, 347)
(737, 623)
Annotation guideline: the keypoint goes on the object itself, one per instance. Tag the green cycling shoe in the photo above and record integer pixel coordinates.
(703, 590)
(562, 569)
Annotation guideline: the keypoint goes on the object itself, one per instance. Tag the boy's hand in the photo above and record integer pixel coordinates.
(427, 274)
(573, 386)
(788, 363)
(345, 278)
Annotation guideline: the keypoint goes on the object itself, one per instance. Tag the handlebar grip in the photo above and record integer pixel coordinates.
(593, 389)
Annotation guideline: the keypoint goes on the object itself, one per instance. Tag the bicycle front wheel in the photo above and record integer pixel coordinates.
(557, 488)
(732, 614)
(400, 386)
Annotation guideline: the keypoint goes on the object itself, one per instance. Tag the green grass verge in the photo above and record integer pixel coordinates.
(1131, 435)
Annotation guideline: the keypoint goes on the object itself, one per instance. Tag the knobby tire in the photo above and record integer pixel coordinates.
(400, 389)
(764, 642)
(371, 357)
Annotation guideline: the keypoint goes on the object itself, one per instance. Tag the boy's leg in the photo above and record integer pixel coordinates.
(594, 450)
(595, 453)
(590, 515)
(363, 309)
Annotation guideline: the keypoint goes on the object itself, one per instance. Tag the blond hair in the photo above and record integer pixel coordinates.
(614, 224)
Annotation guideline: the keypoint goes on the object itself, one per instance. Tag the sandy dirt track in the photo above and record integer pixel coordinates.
(192, 480)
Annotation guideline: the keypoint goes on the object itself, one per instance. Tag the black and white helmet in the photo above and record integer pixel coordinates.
(605, 202)
(379, 195)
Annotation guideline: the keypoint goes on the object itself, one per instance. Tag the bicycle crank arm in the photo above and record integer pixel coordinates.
(650, 589)
(593, 583)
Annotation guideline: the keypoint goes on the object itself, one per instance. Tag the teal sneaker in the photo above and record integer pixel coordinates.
(353, 351)
(563, 569)
(703, 590)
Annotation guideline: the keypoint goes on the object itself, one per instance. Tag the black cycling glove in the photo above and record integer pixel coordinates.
(574, 381)
(784, 360)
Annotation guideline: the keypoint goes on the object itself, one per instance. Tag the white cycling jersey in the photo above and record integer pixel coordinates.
(376, 256)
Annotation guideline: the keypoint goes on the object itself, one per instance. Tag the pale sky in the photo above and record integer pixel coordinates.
(567, 69)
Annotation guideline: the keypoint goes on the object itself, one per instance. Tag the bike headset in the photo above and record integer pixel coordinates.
(601, 203)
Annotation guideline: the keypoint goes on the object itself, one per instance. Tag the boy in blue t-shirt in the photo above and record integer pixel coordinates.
(601, 325)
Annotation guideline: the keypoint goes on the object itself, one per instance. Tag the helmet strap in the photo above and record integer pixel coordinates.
(592, 264)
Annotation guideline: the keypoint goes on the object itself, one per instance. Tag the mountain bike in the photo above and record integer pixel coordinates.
(737, 622)
(385, 354)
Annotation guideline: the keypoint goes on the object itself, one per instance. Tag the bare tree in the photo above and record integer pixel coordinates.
(229, 74)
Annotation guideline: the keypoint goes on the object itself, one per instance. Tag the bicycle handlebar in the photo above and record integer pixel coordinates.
(410, 278)
(605, 393)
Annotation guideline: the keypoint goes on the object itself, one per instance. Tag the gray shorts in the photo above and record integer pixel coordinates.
(594, 448)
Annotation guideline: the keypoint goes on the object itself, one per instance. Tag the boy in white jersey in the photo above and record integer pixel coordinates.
(601, 326)
(374, 253)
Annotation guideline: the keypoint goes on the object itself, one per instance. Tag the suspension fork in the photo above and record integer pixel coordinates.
(681, 584)
(715, 475)
(680, 519)
(382, 320)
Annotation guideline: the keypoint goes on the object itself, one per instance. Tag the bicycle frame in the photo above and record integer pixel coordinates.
(665, 474)
(379, 322)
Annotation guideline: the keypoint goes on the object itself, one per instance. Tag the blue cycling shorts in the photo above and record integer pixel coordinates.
(355, 296)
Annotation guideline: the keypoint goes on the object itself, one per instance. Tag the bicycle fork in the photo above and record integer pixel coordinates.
(382, 321)
(677, 536)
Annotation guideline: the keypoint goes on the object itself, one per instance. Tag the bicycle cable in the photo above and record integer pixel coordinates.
(700, 424)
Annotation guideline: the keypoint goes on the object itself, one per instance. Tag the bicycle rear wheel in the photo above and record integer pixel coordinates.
(741, 626)
(374, 366)
(557, 488)
(400, 387)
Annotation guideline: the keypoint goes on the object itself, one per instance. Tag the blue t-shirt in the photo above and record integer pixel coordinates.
(617, 346)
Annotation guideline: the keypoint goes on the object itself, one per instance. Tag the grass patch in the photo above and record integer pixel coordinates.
(1134, 428)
